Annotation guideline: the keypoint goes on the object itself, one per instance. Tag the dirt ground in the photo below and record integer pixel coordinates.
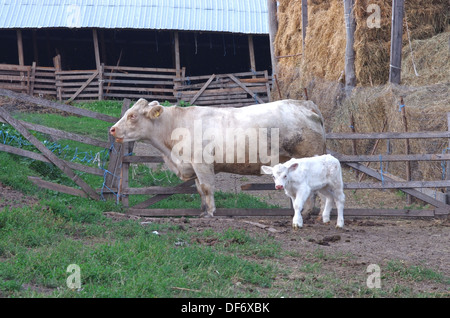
(372, 240)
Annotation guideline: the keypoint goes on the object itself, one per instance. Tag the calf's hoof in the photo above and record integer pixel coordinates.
(296, 226)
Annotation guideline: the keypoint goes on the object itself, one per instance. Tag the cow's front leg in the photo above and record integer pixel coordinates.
(205, 187)
(298, 203)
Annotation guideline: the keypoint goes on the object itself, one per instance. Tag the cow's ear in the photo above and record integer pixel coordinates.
(293, 167)
(266, 170)
(155, 112)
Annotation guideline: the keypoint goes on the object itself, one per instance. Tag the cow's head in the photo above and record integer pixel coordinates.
(137, 121)
(279, 173)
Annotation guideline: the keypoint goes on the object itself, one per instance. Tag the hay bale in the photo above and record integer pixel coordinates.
(430, 70)
(325, 39)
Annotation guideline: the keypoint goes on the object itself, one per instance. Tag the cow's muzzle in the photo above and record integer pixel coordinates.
(279, 187)
(112, 132)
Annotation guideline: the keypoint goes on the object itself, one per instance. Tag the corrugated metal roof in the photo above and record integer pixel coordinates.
(237, 16)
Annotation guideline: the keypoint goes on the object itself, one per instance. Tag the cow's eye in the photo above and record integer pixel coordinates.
(132, 116)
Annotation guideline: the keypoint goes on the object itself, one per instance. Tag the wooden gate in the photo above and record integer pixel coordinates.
(226, 90)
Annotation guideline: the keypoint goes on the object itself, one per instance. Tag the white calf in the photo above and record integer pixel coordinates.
(301, 177)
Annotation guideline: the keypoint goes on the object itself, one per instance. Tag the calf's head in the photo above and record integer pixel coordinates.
(137, 122)
(280, 173)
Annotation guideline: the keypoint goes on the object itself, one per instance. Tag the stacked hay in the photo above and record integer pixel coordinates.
(325, 40)
(374, 103)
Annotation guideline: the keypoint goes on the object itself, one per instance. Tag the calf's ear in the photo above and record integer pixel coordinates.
(154, 112)
(293, 167)
(266, 170)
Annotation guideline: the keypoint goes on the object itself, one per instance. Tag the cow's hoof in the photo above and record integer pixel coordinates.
(206, 215)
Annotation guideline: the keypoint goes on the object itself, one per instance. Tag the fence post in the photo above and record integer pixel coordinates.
(407, 148)
(395, 67)
(57, 64)
(100, 81)
(273, 28)
(350, 26)
(447, 165)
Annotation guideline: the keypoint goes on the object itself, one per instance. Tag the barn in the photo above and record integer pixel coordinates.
(100, 49)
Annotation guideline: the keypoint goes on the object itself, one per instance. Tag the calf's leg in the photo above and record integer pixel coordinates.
(339, 199)
(328, 205)
(298, 203)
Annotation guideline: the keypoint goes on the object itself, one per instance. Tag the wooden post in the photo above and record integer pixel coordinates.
(100, 81)
(177, 53)
(21, 58)
(35, 48)
(32, 79)
(57, 65)
(350, 26)
(304, 22)
(354, 151)
(96, 49)
(447, 171)
(273, 28)
(20, 47)
(395, 67)
(407, 148)
(251, 51)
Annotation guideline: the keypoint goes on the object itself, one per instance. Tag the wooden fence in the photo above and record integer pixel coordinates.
(120, 82)
(116, 179)
(235, 90)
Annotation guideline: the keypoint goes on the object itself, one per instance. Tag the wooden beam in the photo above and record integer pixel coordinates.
(39, 157)
(304, 23)
(390, 135)
(20, 47)
(350, 26)
(273, 29)
(251, 52)
(56, 187)
(85, 84)
(391, 158)
(59, 106)
(245, 88)
(200, 92)
(177, 53)
(395, 67)
(35, 47)
(283, 212)
(364, 185)
(96, 49)
(50, 155)
(160, 197)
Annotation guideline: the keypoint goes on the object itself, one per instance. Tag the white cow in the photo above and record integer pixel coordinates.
(197, 142)
(301, 177)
